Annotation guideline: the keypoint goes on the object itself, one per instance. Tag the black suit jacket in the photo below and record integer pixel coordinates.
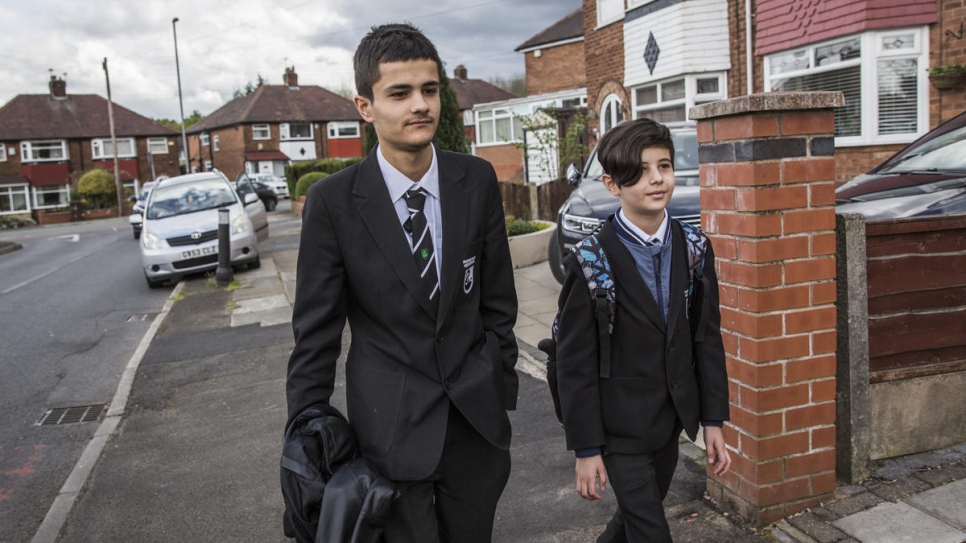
(658, 374)
(407, 360)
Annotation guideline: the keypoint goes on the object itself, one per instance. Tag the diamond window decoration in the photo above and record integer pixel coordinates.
(651, 52)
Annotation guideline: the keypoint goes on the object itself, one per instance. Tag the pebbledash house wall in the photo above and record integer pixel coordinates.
(779, 25)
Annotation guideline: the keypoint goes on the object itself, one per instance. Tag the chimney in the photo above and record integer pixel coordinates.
(460, 72)
(291, 78)
(58, 87)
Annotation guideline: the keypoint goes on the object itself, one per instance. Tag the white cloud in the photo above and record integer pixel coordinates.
(224, 44)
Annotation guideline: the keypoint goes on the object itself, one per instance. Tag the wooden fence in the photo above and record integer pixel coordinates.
(520, 200)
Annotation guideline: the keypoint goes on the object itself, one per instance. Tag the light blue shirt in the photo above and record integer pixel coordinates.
(398, 184)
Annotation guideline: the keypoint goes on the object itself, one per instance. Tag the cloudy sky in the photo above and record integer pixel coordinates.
(224, 44)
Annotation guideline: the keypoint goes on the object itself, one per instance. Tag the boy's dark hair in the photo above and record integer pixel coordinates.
(396, 42)
(619, 150)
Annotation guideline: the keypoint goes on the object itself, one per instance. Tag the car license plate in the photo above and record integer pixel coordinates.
(212, 250)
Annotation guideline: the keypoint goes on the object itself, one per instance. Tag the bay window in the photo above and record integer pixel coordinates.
(669, 101)
(13, 199)
(48, 196)
(43, 151)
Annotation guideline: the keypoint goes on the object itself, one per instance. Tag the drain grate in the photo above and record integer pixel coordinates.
(142, 317)
(69, 415)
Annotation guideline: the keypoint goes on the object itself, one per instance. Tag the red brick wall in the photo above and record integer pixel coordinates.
(507, 160)
(604, 58)
(11, 166)
(556, 69)
(946, 50)
(345, 147)
(782, 24)
(738, 74)
(852, 161)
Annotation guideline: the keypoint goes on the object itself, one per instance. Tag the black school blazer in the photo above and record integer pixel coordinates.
(658, 374)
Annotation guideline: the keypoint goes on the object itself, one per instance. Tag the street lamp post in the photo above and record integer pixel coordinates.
(177, 66)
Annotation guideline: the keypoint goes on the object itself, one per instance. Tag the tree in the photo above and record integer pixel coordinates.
(98, 187)
(249, 87)
(450, 134)
(176, 126)
(515, 84)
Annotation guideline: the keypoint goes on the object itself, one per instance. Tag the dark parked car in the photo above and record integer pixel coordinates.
(927, 177)
(590, 203)
(266, 195)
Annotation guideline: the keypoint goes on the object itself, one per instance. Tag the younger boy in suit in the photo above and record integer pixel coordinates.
(662, 380)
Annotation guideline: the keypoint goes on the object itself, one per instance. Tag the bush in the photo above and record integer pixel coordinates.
(306, 181)
(296, 170)
(517, 227)
(98, 187)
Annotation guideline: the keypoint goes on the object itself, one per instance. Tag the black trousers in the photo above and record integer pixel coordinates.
(457, 503)
(640, 483)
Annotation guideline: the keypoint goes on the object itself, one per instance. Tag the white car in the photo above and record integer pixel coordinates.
(278, 185)
(180, 226)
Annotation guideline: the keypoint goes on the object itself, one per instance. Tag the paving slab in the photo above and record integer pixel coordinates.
(947, 503)
(898, 523)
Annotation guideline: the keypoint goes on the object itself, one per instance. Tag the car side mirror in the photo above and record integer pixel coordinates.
(135, 218)
(250, 197)
(132, 198)
(573, 175)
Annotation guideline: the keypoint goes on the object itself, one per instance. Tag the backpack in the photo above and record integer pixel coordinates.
(600, 282)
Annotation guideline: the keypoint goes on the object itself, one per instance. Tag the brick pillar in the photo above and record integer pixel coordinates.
(768, 205)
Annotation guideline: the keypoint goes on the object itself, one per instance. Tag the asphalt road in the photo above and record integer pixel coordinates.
(72, 311)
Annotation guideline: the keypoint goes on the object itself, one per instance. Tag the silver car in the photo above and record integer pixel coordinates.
(180, 226)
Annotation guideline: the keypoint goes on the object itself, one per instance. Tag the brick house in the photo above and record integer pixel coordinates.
(658, 59)
(276, 124)
(47, 141)
(470, 92)
(555, 79)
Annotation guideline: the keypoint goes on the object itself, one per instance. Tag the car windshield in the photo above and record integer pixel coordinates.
(168, 201)
(685, 154)
(945, 153)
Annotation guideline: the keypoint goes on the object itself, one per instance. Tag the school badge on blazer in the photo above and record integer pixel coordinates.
(468, 274)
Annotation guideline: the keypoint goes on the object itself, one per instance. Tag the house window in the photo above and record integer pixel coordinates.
(498, 126)
(51, 196)
(609, 11)
(669, 101)
(343, 130)
(3, 153)
(637, 3)
(216, 143)
(102, 148)
(204, 138)
(881, 74)
(13, 199)
(43, 151)
(158, 146)
(261, 132)
(295, 131)
(611, 113)
(207, 166)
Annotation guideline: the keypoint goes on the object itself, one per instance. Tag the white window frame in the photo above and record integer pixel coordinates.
(207, 166)
(7, 191)
(205, 140)
(610, 100)
(63, 190)
(100, 146)
(217, 148)
(613, 11)
(631, 4)
(3, 152)
(336, 127)
(691, 96)
(872, 52)
(28, 148)
(491, 116)
(155, 146)
(284, 131)
(257, 128)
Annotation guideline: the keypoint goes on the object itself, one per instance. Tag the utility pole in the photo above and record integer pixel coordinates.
(110, 117)
(177, 67)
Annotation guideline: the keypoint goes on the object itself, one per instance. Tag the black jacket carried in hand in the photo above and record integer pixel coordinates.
(319, 461)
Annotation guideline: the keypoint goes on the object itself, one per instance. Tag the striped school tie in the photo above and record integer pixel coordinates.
(423, 252)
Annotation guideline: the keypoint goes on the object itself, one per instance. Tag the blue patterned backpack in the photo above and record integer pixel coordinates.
(600, 282)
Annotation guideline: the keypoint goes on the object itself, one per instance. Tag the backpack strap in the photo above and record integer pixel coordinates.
(600, 282)
(697, 245)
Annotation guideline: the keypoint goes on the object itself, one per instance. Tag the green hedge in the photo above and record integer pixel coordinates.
(97, 185)
(296, 170)
(306, 181)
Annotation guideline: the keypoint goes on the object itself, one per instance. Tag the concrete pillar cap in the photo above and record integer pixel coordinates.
(768, 101)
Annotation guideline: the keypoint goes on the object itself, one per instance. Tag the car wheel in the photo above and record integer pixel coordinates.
(255, 264)
(153, 284)
(271, 205)
(137, 233)
(555, 259)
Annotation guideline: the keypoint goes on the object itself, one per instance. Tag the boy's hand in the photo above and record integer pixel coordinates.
(718, 457)
(588, 471)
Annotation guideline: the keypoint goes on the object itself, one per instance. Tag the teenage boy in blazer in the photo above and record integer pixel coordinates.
(625, 428)
(430, 367)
